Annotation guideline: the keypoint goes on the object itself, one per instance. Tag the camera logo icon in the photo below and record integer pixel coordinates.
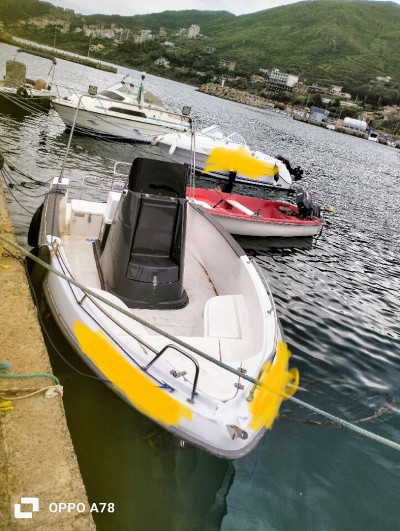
(26, 514)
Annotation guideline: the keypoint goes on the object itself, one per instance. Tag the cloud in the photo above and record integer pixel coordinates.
(128, 8)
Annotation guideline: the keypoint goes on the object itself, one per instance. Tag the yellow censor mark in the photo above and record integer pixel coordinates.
(239, 160)
(277, 384)
(139, 389)
(1, 256)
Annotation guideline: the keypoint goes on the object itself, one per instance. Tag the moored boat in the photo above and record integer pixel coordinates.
(192, 323)
(194, 150)
(120, 112)
(18, 89)
(252, 216)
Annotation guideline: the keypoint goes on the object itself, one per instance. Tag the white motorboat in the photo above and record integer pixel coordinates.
(120, 112)
(166, 307)
(194, 149)
(29, 94)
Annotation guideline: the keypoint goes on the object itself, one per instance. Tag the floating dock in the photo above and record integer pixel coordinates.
(37, 458)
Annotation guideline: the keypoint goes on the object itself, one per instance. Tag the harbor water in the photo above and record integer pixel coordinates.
(338, 302)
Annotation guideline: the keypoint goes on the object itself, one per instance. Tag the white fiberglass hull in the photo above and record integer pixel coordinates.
(99, 120)
(220, 281)
(254, 227)
(180, 152)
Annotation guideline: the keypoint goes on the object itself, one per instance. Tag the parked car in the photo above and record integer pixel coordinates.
(374, 137)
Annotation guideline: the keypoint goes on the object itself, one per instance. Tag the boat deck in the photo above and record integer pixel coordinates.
(199, 324)
(186, 321)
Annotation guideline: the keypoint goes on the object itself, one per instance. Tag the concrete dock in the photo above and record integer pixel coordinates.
(37, 458)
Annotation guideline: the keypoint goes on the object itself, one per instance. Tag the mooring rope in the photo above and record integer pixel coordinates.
(3, 159)
(27, 104)
(389, 404)
(35, 375)
(337, 420)
(49, 392)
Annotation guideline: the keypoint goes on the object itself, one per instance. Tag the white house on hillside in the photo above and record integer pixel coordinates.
(283, 79)
(142, 36)
(193, 31)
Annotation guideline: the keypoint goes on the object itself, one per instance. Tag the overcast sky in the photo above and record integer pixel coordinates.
(132, 7)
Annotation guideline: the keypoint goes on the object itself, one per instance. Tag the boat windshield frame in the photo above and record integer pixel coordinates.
(111, 94)
(217, 133)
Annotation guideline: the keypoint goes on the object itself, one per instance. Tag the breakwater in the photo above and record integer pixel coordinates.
(62, 55)
(232, 94)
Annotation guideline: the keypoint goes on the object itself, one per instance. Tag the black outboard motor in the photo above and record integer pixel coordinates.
(307, 209)
(296, 173)
(141, 261)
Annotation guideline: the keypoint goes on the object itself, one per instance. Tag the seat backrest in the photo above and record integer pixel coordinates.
(161, 214)
(157, 177)
(142, 258)
(158, 253)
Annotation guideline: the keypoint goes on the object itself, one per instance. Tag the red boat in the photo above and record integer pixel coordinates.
(252, 216)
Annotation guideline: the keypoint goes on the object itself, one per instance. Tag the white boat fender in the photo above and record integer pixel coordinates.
(172, 148)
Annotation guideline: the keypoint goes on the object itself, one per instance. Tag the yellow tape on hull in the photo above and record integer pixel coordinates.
(130, 381)
(277, 384)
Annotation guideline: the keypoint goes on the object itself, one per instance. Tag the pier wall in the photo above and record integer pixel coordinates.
(239, 96)
(37, 458)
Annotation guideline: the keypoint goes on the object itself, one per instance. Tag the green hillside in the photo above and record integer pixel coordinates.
(14, 10)
(167, 19)
(321, 41)
(326, 42)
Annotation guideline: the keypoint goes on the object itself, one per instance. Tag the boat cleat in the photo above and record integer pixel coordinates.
(236, 432)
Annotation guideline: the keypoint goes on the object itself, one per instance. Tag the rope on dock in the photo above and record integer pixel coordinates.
(35, 375)
(49, 392)
(337, 420)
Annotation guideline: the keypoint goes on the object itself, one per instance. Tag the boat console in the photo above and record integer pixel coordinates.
(140, 256)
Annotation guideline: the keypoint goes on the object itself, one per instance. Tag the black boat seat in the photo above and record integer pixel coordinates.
(146, 268)
(152, 257)
(141, 254)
